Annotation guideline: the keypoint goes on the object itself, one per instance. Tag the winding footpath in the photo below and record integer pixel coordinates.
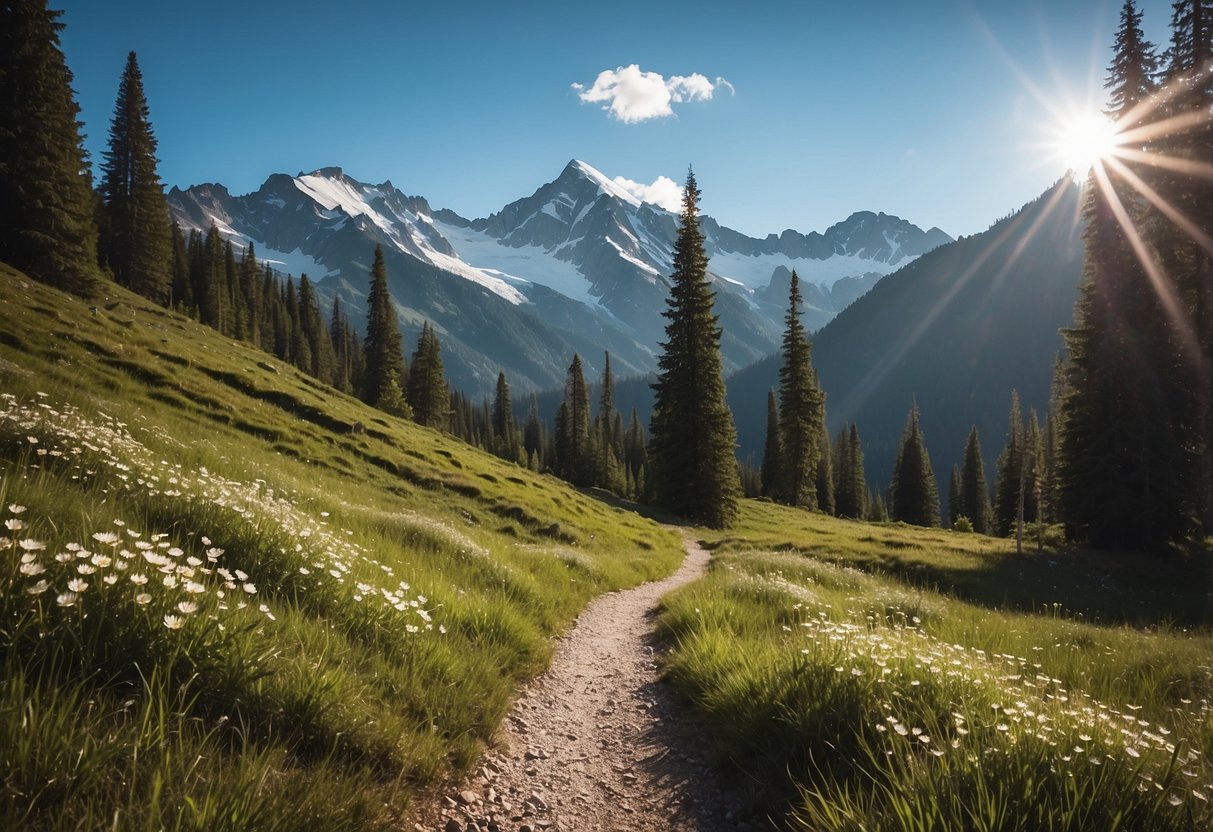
(598, 742)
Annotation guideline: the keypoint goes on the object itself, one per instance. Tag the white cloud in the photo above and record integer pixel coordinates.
(630, 94)
(664, 192)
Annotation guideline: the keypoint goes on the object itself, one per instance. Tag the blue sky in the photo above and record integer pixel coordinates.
(939, 112)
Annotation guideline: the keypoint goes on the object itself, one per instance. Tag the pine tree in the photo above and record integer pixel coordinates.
(955, 487)
(692, 462)
(975, 493)
(181, 296)
(384, 351)
(47, 207)
(574, 451)
(139, 245)
(1130, 430)
(850, 490)
(1189, 80)
(825, 473)
(323, 363)
(801, 409)
(532, 436)
(772, 451)
(914, 495)
(636, 455)
(1010, 471)
(608, 431)
(504, 429)
(427, 391)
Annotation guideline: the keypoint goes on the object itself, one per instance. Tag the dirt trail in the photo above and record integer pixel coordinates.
(598, 742)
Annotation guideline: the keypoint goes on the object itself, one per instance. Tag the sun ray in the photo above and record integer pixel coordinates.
(1159, 160)
(1161, 284)
(1172, 213)
(1167, 127)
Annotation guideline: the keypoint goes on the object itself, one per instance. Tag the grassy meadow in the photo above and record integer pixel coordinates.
(891, 678)
(225, 606)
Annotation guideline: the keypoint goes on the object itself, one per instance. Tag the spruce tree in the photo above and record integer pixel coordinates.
(772, 451)
(1130, 432)
(1010, 471)
(914, 495)
(48, 223)
(181, 296)
(975, 492)
(954, 500)
(532, 436)
(574, 450)
(801, 409)
(384, 351)
(139, 246)
(692, 463)
(427, 390)
(825, 473)
(850, 490)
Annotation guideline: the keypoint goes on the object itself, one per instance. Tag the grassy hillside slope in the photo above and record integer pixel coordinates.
(231, 598)
(885, 677)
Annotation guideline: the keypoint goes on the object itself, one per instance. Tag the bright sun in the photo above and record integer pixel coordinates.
(1084, 139)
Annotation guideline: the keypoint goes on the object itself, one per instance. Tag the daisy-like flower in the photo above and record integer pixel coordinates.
(250, 588)
(170, 581)
(107, 538)
(16, 509)
(77, 585)
(138, 579)
(65, 557)
(66, 599)
(32, 569)
(38, 588)
(213, 554)
(110, 579)
(85, 568)
(187, 607)
(143, 599)
(194, 588)
(31, 545)
(174, 622)
(101, 561)
(193, 561)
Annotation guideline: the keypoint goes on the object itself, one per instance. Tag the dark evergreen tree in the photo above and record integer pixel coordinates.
(574, 449)
(772, 451)
(975, 492)
(427, 390)
(692, 463)
(825, 473)
(532, 436)
(47, 207)
(138, 247)
(850, 489)
(954, 499)
(636, 456)
(383, 347)
(914, 495)
(1009, 477)
(181, 295)
(1130, 432)
(801, 409)
(323, 361)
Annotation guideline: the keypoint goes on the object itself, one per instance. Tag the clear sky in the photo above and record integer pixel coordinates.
(939, 111)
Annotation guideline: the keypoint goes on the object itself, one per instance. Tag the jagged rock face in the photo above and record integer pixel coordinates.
(581, 264)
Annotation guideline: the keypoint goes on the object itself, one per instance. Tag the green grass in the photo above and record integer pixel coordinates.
(821, 652)
(222, 607)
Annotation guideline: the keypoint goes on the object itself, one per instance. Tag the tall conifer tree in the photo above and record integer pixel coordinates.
(427, 389)
(975, 492)
(48, 223)
(801, 409)
(915, 497)
(692, 459)
(138, 247)
(384, 350)
(772, 451)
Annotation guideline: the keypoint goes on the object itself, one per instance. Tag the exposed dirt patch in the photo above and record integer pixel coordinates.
(598, 742)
